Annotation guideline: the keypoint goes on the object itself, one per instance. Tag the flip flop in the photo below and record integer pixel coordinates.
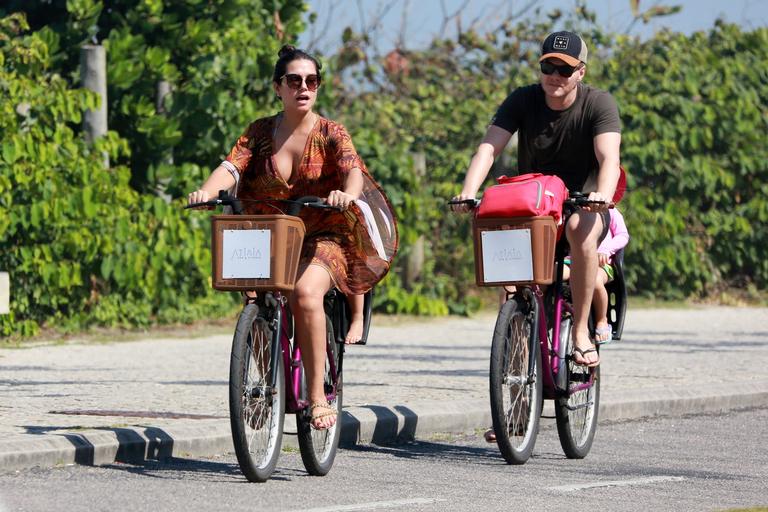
(606, 332)
(583, 354)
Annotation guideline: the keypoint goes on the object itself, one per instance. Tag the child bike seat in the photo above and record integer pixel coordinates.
(617, 296)
(338, 310)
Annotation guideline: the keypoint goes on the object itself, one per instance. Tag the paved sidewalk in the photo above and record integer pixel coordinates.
(128, 401)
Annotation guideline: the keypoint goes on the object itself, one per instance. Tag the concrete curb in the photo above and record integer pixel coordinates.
(677, 402)
(375, 424)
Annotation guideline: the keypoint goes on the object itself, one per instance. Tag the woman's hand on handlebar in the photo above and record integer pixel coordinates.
(339, 199)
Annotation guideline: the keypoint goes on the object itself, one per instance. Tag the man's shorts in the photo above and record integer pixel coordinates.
(606, 216)
(607, 268)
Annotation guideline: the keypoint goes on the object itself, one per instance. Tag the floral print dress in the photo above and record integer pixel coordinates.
(355, 246)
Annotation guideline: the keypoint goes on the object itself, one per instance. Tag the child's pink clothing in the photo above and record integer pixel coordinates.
(617, 236)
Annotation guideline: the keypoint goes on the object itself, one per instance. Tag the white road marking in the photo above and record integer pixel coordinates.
(617, 483)
(373, 505)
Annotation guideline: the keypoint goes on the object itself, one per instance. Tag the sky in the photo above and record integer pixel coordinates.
(424, 17)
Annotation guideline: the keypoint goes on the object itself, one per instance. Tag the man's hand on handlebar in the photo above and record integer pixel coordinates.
(462, 202)
(602, 203)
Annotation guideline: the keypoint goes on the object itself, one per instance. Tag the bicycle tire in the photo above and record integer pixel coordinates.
(256, 412)
(515, 370)
(318, 447)
(576, 413)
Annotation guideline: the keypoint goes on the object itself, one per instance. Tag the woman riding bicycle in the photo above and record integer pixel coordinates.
(298, 153)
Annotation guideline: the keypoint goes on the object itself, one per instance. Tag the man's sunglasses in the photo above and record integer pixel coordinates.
(564, 70)
(294, 81)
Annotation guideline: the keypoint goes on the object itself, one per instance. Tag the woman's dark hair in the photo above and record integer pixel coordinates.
(289, 53)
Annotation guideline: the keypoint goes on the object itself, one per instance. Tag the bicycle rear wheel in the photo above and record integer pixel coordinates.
(318, 447)
(256, 409)
(516, 383)
(576, 414)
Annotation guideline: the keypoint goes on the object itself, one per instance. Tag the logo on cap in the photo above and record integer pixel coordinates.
(561, 43)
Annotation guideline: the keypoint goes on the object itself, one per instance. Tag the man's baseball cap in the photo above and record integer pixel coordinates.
(566, 46)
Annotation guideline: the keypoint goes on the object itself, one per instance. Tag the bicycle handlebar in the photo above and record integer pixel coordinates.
(579, 199)
(295, 205)
(472, 203)
(224, 199)
(575, 199)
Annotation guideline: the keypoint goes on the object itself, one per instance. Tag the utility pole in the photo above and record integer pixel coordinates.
(414, 264)
(93, 73)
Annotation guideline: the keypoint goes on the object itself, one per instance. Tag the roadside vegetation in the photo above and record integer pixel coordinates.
(89, 246)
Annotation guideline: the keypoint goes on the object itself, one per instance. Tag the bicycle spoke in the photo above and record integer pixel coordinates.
(516, 379)
(577, 412)
(256, 404)
(516, 390)
(318, 447)
(257, 396)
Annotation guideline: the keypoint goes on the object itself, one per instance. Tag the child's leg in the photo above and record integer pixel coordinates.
(600, 306)
(504, 293)
(356, 306)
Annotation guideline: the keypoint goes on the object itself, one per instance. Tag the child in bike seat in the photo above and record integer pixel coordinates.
(615, 239)
(356, 306)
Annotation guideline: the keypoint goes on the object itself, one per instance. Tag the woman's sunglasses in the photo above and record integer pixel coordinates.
(294, 81)
(564, 70)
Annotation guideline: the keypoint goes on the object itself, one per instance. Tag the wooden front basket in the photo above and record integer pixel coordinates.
(256, 252)
(518, 250)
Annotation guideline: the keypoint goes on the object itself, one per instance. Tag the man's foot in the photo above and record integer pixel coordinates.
(585, 354)
(490, 436)
(323, 415)
(585, 357)
(355, 332)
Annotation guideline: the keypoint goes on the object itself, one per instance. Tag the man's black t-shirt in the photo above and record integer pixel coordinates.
(558, 142)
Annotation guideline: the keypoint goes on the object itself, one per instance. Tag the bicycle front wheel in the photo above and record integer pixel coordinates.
(318, 447)
(256, 408)
(576, 413)
(516, 384)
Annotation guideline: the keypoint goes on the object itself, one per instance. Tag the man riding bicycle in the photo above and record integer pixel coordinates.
(571, 130)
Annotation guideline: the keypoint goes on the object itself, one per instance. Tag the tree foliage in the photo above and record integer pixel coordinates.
(693, 143)
(92, 246)
(83, 247)
(214, 54)
(88, 246)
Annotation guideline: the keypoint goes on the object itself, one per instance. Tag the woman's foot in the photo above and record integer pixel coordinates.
(323, 415)
(355, 332)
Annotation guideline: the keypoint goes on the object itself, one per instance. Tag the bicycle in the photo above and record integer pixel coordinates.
(261, 390)
(531, 349)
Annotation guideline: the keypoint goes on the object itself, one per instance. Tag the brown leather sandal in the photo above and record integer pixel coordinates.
(320, 410)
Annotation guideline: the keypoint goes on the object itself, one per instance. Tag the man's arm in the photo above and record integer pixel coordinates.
(492, 144)
(607, 147)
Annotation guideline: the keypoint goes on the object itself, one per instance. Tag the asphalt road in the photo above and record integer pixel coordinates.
(702, 462)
